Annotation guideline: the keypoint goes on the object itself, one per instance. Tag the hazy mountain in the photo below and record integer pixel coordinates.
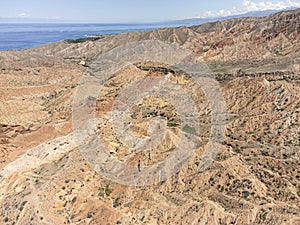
(197, 21)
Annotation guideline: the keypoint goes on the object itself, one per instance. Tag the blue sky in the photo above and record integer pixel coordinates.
(134, 10)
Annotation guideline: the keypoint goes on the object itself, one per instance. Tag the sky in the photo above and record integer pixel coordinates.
(135, 10)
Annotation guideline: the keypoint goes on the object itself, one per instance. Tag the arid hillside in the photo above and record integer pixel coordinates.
(254, 179)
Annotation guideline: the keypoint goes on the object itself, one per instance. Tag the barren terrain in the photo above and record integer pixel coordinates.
(255, 178)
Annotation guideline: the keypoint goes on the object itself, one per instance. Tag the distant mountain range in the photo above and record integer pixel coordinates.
(187, 22)
(198, 21)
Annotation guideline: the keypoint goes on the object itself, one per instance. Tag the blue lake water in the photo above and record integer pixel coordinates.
(29, 35)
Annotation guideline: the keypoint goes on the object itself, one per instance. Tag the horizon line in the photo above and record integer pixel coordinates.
(59, 20)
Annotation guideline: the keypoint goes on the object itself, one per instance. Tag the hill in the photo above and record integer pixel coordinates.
(254, 179)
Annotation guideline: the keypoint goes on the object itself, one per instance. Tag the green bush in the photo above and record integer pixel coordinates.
(105, 191)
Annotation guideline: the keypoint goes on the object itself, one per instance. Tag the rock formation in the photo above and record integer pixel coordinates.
(255, 178)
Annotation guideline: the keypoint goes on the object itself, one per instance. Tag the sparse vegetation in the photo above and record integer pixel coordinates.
(254, 178)
(190, 130)
(116, 203)
(172, 124)
(105, 191)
